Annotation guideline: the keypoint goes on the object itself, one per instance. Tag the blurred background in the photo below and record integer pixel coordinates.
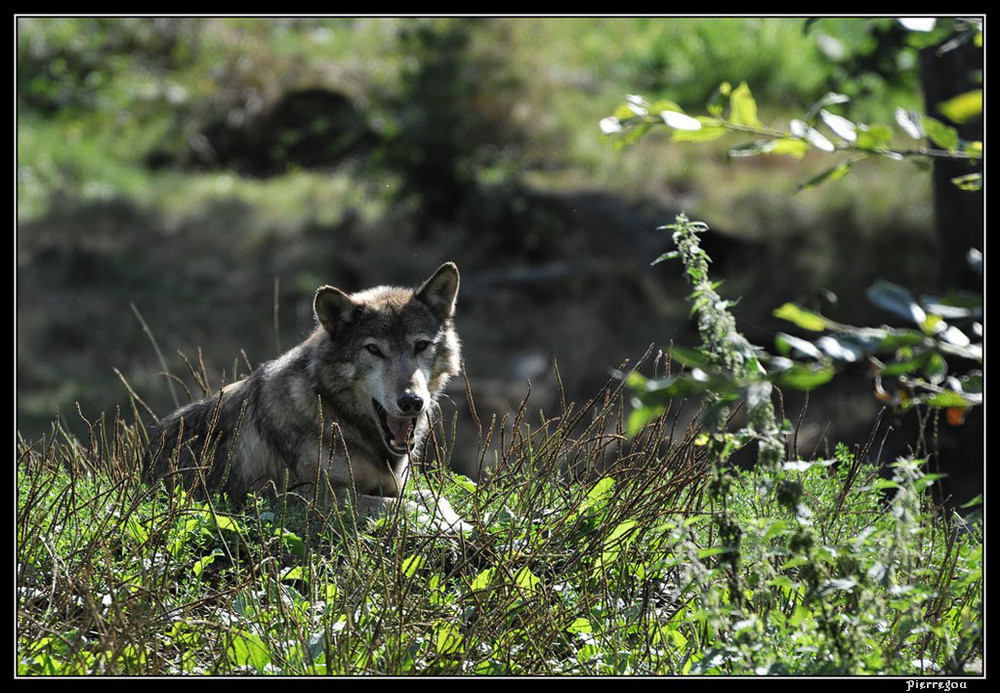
(200, 177)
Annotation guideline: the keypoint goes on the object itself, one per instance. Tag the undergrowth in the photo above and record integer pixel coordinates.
(597, 550)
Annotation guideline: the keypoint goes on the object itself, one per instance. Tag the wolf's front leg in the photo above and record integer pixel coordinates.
(438, 510)
(430, 510)
(373, 507)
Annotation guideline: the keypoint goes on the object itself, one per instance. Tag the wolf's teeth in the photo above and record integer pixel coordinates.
(397, 432)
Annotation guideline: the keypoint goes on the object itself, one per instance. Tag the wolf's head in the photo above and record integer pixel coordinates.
(392, 351)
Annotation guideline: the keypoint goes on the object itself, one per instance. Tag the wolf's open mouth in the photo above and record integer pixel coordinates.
(397, 431)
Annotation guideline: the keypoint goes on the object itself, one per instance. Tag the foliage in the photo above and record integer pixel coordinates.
(593, 553)
(917, 357)
(587, 558)
(734, 109)
(633, 119)
(729, 368)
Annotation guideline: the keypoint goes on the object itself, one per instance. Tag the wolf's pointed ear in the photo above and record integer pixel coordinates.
(439, 292)
(334, 309)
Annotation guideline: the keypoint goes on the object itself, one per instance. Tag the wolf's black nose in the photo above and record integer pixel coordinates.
(410, 403)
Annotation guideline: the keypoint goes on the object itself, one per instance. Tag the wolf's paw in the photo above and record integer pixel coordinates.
(437, 512)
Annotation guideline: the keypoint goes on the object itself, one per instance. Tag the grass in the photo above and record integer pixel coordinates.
(592, 555)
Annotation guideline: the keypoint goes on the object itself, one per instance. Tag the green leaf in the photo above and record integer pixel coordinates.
(842, 127)
(292, 542)
(970, 182)
(205, 561)
(618, 540)
(802, 377)
(743, 107)
(747, 149)
(482, 580)
(598, 496)
(874, 137)
(248, 650)
(830, 174)
(447, 639)
(963, 107)
(805, 319)
(526, 580)
(786, 343)
(978, 500)
(615, 537)
(788, 146)
(948, 398)
(665, 105)
(294, 573)
(804, 131)
(411, 564)
(716, 101)
(898, 339)
(136, 529)
(927, 480)
(711, 129)
(623, 111)
(910, 122)
(974, 148)
(940, 134)
(896, 299)
(903, 366)
(690, 357)
(712, 551)
(658, 393)
(463, 482)
(225, 523)
(641, 417)
(680, 121)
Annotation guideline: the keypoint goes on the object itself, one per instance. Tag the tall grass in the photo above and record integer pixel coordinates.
(118, 578)
(593, 553)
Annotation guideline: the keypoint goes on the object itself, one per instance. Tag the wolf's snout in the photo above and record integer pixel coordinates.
(410, 403)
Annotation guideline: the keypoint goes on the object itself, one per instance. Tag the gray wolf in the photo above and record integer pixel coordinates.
(339, 412)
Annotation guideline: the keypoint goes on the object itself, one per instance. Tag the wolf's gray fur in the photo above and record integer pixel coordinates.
(342, 409)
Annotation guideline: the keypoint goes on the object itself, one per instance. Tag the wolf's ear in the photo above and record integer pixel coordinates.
(334, 309)
(439, 292)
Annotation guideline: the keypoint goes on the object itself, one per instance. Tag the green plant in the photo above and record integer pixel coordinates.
(790, 563)
(594, 554)
(917, 358)
(734, 110)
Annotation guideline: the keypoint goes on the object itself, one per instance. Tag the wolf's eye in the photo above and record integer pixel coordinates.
(421, 346)
(373, 349)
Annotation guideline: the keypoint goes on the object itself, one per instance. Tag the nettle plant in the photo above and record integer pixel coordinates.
(941, 328)
(915, 358)
(795, 558)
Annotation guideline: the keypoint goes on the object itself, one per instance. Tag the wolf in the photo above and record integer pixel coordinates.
(339, 412)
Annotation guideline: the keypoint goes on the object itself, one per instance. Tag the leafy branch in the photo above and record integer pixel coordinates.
(734, 110)
(946, 327)
(727, 368)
